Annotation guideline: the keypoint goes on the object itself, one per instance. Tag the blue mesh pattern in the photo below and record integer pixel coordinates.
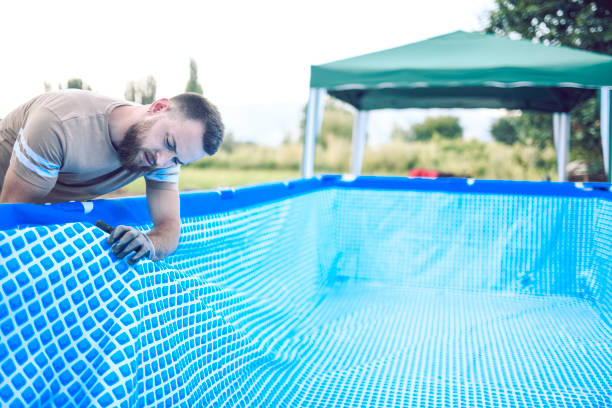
(598, 280)
(466, 241)
(338, 297)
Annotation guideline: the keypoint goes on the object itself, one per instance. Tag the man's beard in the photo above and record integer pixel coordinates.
(130, 147)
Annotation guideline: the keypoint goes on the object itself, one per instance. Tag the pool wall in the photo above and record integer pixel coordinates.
(242, 313)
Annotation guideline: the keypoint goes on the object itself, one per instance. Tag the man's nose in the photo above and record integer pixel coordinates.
(163, 157)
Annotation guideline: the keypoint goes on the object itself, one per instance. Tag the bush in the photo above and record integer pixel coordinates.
(471, 158)
(250, 156)
(468, 158)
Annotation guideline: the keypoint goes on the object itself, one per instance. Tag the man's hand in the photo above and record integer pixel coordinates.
(157, 243)
(125, 240)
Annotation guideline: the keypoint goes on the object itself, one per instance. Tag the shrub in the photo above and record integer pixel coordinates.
(471, 158)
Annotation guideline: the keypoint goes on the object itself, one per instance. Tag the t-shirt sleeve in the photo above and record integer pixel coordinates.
(164, 179)
(38, 152)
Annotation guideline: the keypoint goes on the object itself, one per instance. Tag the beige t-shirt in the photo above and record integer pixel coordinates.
(62, 140)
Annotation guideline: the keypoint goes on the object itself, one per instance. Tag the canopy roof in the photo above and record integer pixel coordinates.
(467, 70)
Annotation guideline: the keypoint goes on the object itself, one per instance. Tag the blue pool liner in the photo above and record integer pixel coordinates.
(332, 291)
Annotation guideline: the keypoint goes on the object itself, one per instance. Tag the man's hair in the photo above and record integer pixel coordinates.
(195, 107)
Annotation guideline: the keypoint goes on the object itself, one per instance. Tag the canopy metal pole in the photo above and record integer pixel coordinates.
(561, 133)
(556, 128)
(556, 125)
(604, 103)
(321, 93)
(360, 128)
(314, 118)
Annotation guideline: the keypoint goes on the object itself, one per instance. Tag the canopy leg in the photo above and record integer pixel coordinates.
(561, 133)
(360, 128)
(314, 118)
(604, 104)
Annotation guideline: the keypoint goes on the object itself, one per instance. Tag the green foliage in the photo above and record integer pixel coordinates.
(142, 91)
(583, 24)
(530, 129)
(130, 91)
(192, 84)
(147, 93)
(72, 83)
(504, 131)
(77, 83)
(287, 138)
(337, 123)
(585, 138)
(458, 156)
(446, 127)
(229, 142)
(193, 178)
(248, 156)
(398, 133)
(471, 158)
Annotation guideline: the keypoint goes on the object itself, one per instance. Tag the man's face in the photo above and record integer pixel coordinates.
(162, 140)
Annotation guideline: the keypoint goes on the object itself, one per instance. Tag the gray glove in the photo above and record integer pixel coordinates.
(125, 240)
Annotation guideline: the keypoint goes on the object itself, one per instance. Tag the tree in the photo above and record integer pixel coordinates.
(142, 91)
(287, 138)
(337, 123)
(446, 127)
(504, 131)
(130, 91)
(77, 83)
(72, 83)
(399, 133)
(148, 90)
(530, 129)
(583, 24)
(229, 142)
(193, 85)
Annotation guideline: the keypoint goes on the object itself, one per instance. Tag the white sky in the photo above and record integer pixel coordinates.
(254, 57)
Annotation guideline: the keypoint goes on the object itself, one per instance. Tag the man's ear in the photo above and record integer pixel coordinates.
(160, 105)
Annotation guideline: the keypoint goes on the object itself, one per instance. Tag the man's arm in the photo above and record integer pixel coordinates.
(17, 190)
(164, 207)
(36, 159)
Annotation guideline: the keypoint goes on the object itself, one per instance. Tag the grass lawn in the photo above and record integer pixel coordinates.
(193, 178)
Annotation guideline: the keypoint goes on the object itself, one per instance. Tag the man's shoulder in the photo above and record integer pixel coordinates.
(75, 103)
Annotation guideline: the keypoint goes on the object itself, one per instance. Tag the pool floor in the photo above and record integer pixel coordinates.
(377, 345)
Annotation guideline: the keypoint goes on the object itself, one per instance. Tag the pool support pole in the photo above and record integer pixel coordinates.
(360, 127)
(604, 106)
(561, 136)
(314, 118)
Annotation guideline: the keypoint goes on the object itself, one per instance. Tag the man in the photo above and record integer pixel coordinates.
(76, 145)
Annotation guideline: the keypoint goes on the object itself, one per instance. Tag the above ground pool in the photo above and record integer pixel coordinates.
(326, 292)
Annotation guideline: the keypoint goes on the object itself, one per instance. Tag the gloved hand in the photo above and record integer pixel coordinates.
(126, 239)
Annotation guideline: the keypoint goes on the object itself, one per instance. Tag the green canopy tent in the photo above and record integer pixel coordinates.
(463, 70)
